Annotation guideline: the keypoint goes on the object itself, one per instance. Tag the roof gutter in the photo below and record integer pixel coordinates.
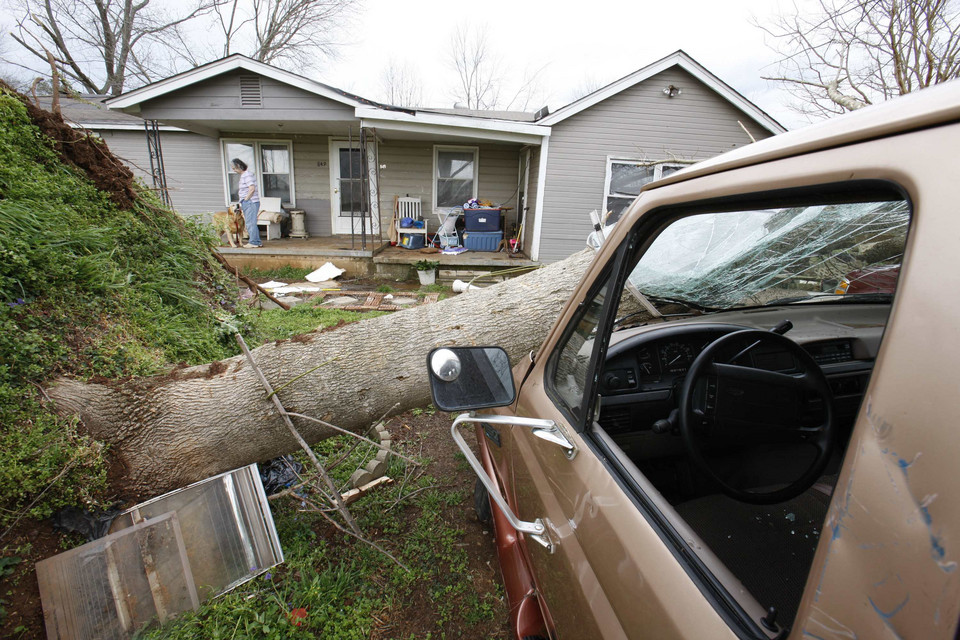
(450, 124)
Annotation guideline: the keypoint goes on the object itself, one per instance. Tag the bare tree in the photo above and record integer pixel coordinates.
(287, 33)
(850, 53)
(481, 80)
(400, 85)
(103, 46)
(587, 85)
(99, 44)
(171, 430)
(478, 68)
(292, 32)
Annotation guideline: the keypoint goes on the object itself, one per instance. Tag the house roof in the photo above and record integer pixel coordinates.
(516, 116)
(231, 63)
(517, 126)
(680, 59)
(90, 112)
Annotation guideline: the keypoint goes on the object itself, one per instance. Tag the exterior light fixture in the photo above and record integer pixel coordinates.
(671, 91)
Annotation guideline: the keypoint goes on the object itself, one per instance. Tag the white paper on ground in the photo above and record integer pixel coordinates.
(297, 288)
(327, 272)
(273, 284)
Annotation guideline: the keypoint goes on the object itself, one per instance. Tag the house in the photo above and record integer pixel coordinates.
(343, 159)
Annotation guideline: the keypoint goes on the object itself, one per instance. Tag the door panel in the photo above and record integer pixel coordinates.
(611, 575)
(348, 202)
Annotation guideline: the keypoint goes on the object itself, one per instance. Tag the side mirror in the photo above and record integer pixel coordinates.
(463, 378)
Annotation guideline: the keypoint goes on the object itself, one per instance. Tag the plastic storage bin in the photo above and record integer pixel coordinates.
(482, 240)
(481, 219)
(412, 240)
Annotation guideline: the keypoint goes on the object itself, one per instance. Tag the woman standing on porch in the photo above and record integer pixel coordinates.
(249, 202)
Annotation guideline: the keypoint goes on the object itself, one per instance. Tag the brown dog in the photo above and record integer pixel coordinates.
(230, 222)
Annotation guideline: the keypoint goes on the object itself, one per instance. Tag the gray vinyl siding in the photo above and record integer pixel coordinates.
(192, 164)
(219, 99)
(408, 171)
(638, 123)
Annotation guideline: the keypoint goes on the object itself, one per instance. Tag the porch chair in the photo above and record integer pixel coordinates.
(409, 208)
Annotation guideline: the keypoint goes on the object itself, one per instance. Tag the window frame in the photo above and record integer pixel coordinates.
(437, 148)
(258, 166)
(658, 167)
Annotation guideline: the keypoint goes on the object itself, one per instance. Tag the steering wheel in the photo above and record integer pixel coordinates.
(736, 401)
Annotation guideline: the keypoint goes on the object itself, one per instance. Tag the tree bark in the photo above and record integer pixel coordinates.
(168, 431)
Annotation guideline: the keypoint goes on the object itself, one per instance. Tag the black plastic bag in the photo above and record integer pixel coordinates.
(279, 473)
(91, 525)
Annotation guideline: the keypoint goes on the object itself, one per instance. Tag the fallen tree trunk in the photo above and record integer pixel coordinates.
(168, 431)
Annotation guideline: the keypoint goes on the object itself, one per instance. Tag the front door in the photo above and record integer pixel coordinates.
(350, 202)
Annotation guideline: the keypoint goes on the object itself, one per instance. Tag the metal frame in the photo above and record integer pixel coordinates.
(543, 429)
(155, 150)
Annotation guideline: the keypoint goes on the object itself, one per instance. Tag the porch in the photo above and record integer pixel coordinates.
(378, 260)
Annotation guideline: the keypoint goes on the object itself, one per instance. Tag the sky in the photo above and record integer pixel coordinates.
(571, 44)
(597, 41)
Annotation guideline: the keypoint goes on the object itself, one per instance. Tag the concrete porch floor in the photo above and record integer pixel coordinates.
(379, 259)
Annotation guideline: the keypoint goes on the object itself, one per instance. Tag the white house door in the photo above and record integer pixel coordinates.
(349, 206)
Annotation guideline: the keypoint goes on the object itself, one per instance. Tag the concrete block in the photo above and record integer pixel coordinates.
(361, 477)
(377, 468)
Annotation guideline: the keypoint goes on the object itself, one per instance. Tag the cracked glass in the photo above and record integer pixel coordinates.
(763, 256)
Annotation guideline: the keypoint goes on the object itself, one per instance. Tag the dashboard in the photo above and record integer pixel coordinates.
(645, 367)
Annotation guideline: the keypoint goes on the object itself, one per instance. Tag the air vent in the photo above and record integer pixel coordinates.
(251, 93)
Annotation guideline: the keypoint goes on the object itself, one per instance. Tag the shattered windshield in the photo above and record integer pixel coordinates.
(762, 256)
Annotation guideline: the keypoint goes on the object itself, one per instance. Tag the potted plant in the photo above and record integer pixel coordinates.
(426, 270)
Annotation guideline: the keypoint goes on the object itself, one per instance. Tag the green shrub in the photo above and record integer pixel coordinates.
(86, 289)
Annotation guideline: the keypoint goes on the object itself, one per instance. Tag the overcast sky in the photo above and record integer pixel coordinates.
(599, 40)
(590, 42)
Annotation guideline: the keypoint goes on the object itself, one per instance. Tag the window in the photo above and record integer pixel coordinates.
(454, 175)
(270, 160)
(571, 372)
(625, 178)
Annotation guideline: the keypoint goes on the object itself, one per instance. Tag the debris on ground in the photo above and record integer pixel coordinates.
(92, 525)
(162, 557)
(279, 473)
(372, 301)
(327, 272)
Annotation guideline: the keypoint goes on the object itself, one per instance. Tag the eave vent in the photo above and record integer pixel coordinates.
(251, 93)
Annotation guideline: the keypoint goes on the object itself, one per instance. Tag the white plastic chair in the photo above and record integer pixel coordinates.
(409, 208)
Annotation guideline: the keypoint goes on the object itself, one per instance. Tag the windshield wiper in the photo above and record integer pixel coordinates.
(849, 298)
(694, 309)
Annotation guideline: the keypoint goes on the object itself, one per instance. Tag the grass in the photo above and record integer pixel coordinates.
(86, 289)
(277, 324)
(283, 274)
(344, 587)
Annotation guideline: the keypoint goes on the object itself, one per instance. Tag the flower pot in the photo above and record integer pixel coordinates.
(427, 277)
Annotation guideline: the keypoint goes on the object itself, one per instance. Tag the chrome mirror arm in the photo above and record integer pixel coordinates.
(545, 429)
